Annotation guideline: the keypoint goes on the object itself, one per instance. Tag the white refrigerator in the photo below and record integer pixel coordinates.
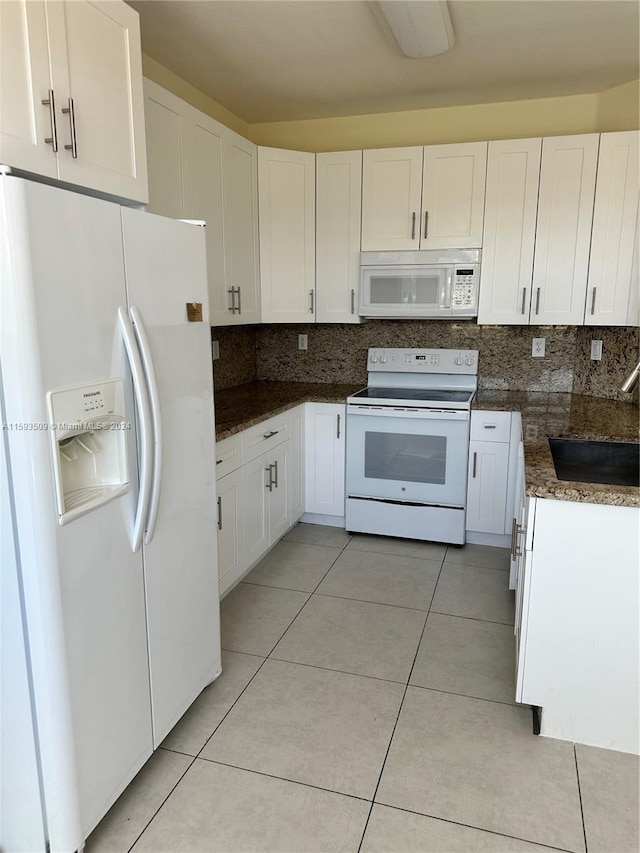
(110, 610)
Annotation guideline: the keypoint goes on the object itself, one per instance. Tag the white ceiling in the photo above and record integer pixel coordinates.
(279, 60)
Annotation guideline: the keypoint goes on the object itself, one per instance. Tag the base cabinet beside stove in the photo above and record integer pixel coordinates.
(324, 461)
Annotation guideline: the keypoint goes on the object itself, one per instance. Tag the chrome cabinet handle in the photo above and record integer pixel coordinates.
(232, 293)
(353, 301)
(593, 301)
(269, 483)
(475, 461)
(239, 301)
(51, 103)
(524, 299)
(311, 295)
(538, 301)
(413, 225)
(219, 461)
(426, 223)
(275, 473)
(269, 434)
(516, 530)
(338, 427)
(219, 513)
(71, 112)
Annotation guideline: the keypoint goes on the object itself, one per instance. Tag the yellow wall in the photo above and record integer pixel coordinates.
(168, 80)
(618, 108)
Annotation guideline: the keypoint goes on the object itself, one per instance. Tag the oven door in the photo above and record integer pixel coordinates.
(403, 454)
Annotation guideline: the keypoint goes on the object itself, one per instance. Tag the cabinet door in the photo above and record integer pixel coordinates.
(206, 193)
(338, 218)
(286, 197)
(230, 515)
(240, 175)
(487, 486)
(168, 124)
(614, 231)
(278, 497)
(324, 458)
(391, 194)
(96, 66)
(563, 233)
(296, 466)
(453, 196)
(24, 83)
(255, 478)
(511, 203)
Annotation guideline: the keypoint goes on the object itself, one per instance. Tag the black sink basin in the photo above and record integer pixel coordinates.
(614, 462)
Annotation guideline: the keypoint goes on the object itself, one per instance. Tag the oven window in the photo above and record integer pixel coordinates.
(409, 458)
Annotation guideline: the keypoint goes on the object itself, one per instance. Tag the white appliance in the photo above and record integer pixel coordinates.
(110, 612)
(435, 283)
(407, 450)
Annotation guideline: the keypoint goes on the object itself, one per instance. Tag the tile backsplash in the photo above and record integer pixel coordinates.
(338, 353)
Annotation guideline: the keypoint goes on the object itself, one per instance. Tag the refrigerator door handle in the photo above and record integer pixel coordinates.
(156, 417)
(146, 451)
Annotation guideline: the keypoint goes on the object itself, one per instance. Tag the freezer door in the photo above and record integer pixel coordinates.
(62, 282)
(166, 271)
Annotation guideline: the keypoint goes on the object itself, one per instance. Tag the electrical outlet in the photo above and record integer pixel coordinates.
(302, 342)
(215, 350)
(537, 347)
(596, 350)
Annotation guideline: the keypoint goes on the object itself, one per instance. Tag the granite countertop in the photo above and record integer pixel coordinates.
(543, 414)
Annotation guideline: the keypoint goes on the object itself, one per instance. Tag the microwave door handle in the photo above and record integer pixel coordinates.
(447, 289)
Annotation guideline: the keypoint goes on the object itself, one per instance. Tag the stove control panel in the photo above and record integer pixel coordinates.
(423, 361)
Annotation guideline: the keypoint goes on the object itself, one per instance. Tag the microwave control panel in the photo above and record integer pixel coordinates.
(465, 287)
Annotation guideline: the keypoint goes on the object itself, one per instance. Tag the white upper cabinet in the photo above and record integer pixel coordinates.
(90, 130)
(453, 196)
(613, 283)
(423, 198)
(511, 203)
(199, 169)
(563, 234)
(286, 199)
(391, 196)
(338, 215)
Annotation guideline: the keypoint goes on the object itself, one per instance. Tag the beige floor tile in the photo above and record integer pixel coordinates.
(475, 593)
(253, 618)
(382, 578)
(398, 547)
(467, 656)
(483, 556)
(191, 733)
(218, 808)
(324, 728)
(609, 785)
(318, 534)
(354, 636)
(294, 565)
(477, 763)
(135, 807)
(390, 830)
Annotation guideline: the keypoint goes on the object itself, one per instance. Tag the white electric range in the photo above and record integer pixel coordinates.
(407, 448)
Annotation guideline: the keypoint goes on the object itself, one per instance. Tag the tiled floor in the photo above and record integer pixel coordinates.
(366, 703)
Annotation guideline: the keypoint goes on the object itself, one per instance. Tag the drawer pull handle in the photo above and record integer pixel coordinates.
(488, 426)
(475, 461)
(219, 461)
(220, 513)
(269, 434)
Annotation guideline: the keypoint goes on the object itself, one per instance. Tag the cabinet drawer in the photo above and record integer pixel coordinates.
(228, 455)
(262, 437)
(490, 426)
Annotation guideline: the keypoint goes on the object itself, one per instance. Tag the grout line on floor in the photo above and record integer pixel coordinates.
(584, 826)
(370, 601)
(474, 618)
(342, 671)
(450, 563)
(468, 696)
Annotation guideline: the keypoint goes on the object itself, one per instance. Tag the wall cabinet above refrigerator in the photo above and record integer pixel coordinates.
(71, 94)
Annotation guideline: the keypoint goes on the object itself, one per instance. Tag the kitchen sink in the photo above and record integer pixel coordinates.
(614, 462)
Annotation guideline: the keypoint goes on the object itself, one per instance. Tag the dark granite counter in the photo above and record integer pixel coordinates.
(543, 414)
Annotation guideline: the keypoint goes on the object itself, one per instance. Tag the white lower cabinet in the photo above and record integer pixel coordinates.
(489, 472)
(324, 458)
(230, 528)
(255, 476)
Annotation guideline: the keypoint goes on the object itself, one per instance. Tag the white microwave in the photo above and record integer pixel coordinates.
(435, 284)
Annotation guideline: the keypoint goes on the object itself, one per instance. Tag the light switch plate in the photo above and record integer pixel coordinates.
(302, 342)
(215, 350)
(596, 350)
(537, 347)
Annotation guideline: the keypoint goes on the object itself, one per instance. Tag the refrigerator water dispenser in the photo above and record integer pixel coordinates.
(89, 442)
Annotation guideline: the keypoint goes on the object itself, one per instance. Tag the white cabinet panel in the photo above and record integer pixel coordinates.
(563, 234)
(324, 455)
(96, 69)
(286, 198)
(296, 468)
(613, 241)
(513, 171)
(279, 501)
(453, 196)
(24, 83)
(487, 486)
(167, 153)
(230, 529)
(338, 217)
(255, 477)
(391, 196)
